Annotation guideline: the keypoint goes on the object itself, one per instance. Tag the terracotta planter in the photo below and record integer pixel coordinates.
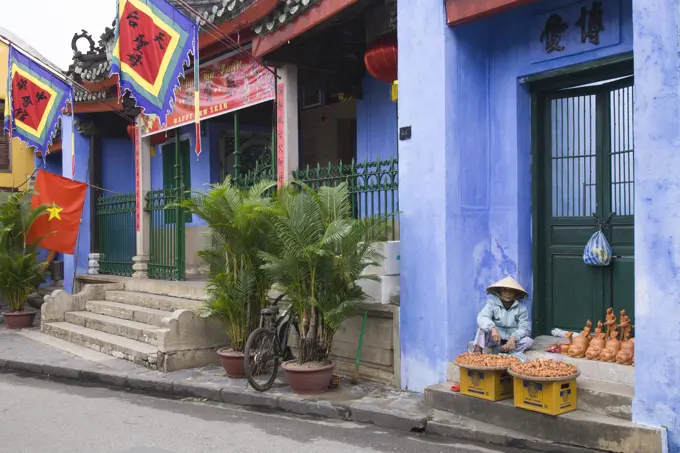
(308, 381)
(19, 319)
(232, 362)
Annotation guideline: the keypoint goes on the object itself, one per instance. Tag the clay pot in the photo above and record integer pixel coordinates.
(19, 319)
(595, 349)
(232, 362)
(625, 355)
(308, 381)
(611, 349)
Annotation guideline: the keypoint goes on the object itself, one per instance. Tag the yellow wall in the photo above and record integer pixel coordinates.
(23, 160)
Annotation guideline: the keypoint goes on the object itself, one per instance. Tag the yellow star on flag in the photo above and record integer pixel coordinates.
(54, 212)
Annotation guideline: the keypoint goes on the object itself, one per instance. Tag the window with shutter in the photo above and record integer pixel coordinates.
(5, 162)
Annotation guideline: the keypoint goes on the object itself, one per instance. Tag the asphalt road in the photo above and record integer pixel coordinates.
(44, 416)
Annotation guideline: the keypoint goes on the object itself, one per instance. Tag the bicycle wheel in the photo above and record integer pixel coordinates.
(261, 359)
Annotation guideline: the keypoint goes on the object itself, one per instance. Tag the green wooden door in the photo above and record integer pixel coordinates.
(585, 173)
(168, 221)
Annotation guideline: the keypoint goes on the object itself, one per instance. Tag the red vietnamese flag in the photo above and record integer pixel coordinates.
(59, 226)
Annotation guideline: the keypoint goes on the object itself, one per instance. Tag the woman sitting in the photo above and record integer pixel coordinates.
(503, 322)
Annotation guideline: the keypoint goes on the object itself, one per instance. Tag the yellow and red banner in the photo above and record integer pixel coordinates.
(226, 84)
(64, 198)
(152, 44)
(35, 101)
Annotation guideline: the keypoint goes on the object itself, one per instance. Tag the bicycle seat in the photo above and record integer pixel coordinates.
(270, 311)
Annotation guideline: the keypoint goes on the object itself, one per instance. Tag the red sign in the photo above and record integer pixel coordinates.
(143, 44)
(280, 133)
(227, 84)
(29, 101)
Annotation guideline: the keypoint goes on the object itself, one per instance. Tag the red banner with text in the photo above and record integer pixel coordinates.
(226, 84)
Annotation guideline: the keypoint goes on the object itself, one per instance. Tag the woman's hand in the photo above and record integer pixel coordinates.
(511, 344)
(495, 336)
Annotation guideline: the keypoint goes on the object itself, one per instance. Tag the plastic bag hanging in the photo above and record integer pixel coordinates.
(598, 252)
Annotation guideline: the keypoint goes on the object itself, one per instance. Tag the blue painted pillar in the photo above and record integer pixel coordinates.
(426, 50)
(657, 216)
(78, 260)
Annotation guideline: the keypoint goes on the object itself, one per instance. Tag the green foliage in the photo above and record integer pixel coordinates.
(20, 271)
(323, 252)
(237, 284)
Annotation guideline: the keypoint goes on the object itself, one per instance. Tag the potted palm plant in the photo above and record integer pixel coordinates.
(20, 270)
(323, 253)
(237, 285)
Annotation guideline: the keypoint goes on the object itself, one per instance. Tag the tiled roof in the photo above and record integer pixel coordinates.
(217, 11)
(283, 14)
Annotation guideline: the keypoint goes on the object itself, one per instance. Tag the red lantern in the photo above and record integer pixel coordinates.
(381, 58)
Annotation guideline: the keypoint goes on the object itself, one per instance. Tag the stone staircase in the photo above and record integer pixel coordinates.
(151, 323)
(601, 423)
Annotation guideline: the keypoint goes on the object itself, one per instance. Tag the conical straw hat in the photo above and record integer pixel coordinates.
(509, 283)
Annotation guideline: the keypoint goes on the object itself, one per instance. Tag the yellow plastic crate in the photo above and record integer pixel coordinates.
(492, 385)
(546, 397)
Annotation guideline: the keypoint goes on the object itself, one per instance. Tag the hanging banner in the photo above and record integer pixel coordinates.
(36, 98)
(226, 84)
(152, 44)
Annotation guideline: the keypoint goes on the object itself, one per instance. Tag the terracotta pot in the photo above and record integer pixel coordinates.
(19, 319)
(232, 362)
(308, 381)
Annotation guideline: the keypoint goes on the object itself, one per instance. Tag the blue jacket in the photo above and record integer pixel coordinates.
(509, 322)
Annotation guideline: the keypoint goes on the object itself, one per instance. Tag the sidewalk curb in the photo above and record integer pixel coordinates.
(361, 411)
(366, 410)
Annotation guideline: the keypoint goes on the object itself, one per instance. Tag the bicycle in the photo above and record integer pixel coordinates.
(267, 346)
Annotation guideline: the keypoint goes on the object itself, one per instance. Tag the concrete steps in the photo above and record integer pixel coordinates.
(114, 345)
(133, 330)
(153, 323)
(126, 311)
(152, 301)
(575, 429)
(447, 424)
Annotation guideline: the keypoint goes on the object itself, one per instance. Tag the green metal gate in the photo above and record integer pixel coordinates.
(167, 260)
(116, 233)
(585, 179)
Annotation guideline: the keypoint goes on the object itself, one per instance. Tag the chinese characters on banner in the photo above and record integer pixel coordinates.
(36, 100)
(565, 31)
(153, 41)
(226, 85)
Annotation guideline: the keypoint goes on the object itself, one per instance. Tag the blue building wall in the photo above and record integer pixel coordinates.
(657, 218)
(465, 174)
(376, 121)
(78, 260)
(118, 165)
(462, 94)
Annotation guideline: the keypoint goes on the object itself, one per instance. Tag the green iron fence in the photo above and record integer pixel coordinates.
(167, 259)
(116, 233)
(373, 186)
(257, 174)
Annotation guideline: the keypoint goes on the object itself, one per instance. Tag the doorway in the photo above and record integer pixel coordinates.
(585, 181)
